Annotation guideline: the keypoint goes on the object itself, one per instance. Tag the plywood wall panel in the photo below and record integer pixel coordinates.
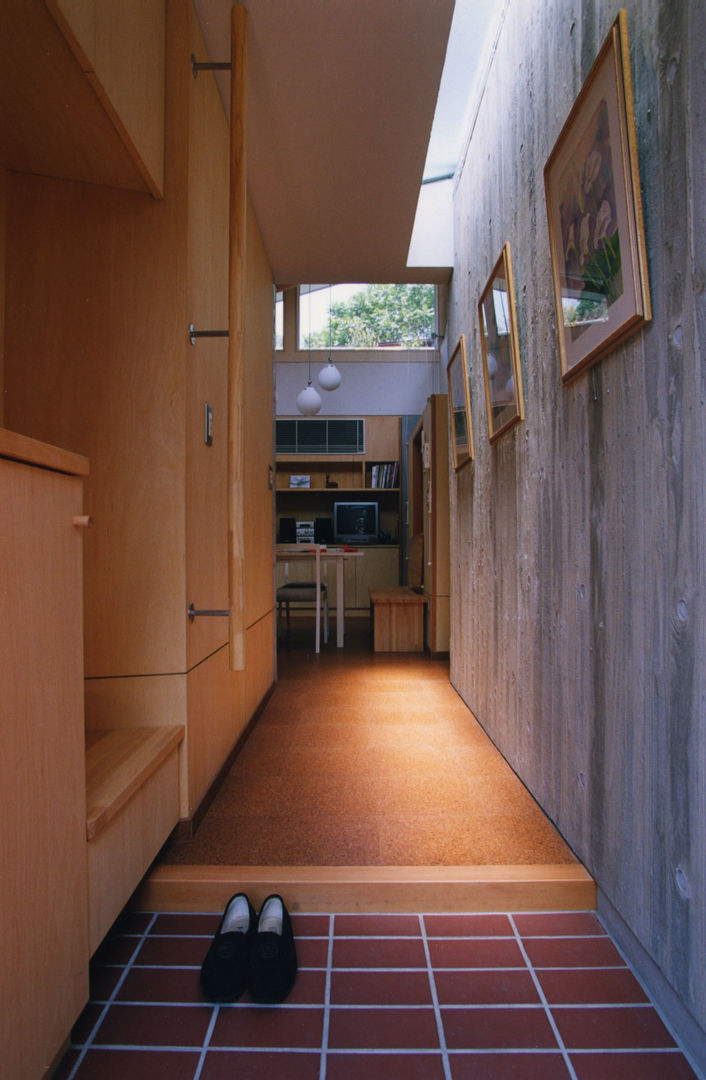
(207, 361)
(216, 720)
(258, 427)
(44, 974)
(52, 122)
(577, 539)
(259, 675)
(120, 48)
(92, 336)
(96, 348)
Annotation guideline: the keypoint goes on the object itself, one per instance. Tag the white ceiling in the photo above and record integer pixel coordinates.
(341, 99)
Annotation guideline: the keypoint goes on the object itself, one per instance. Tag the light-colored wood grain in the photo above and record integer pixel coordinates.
(121, 853)
(374, 888)
(259, 673)
(207, 361)
(398, 619)
(33, 452)
(378, 568)
(118, 763)
(258, 429)
(77, 21)
(44, 971)
(3, 261)
(436, 527)
(236, 341)
(120, 49)
(135, 702)
(382, 438)
(87, 257)
(51, 122)
(216, 712)
(428, 495)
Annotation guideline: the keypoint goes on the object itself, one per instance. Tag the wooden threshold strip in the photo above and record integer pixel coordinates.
(118, 762)
(564, 887)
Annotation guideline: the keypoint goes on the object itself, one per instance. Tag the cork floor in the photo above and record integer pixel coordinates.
(368, 759)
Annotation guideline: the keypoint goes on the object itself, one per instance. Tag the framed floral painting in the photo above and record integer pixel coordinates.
(502, 372)
(460, 405)
(596, 232)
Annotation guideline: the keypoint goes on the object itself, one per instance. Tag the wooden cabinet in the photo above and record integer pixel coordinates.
(43, 890)
(429, 519)
(372, 476)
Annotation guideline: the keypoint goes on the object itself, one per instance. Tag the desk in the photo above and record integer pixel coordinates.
(317, 553)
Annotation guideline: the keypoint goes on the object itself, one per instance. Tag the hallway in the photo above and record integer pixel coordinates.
(368, 759)
(375, 759)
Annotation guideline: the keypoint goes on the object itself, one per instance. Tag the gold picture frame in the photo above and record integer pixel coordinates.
(502, 372)
(596, 232)
(460, 416)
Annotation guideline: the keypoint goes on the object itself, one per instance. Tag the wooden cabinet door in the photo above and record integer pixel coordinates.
(43, 890)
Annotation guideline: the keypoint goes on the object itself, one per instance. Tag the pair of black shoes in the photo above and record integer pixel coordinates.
(251, 951)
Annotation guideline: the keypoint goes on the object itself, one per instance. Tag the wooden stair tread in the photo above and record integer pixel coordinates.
(118, 762)
(552, 887)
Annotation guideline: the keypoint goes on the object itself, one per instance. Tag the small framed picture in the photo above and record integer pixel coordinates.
(592, 186)
(460, 417)
(299, 481)
(502, 373)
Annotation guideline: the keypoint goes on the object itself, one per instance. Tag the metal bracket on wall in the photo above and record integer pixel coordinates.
(198, 65)
(194, 333)
(192, 612)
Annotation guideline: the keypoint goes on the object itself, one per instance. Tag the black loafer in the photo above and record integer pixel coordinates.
(273, 956)
(224, 971)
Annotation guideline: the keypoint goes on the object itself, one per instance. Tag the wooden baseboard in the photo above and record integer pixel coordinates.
(565, 887)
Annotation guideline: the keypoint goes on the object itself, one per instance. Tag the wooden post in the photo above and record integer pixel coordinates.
(236, 341)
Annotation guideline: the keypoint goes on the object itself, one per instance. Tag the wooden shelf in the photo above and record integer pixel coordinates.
(118, 762)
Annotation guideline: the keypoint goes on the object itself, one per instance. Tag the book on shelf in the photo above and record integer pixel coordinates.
(385, 474)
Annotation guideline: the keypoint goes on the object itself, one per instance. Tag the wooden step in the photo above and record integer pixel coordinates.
(565, 887)
(118, 762)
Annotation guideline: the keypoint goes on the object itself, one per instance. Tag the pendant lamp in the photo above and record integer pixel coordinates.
(329, 377)
(309, 399)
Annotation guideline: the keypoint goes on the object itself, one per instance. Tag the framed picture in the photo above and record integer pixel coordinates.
(502, 373)
(299, 481)
(460, 417)
(594, 208)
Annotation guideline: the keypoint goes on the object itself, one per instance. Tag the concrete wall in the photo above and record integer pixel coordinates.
(578, 538)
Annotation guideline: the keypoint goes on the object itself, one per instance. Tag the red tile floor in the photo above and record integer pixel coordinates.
(404, 997)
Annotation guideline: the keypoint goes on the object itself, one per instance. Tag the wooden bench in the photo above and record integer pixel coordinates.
(397, 614)
(132, 804)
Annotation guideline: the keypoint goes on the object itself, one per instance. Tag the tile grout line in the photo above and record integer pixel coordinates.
(206, 1041)
(543, 999)
(88, 1042)
(435, 1001)
(327, 1000)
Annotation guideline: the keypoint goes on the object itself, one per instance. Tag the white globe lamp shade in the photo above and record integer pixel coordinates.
(329, 377)
(308, 401)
